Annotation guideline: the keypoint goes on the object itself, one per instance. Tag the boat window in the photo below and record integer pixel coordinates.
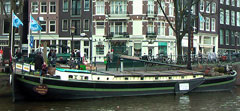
(86, 77)
(142, 78)
(182, 77)
(107, 78)
(98, 78)
(194, 76)
(169, 77)
(126, 78)
(70, 77)
(156, 78)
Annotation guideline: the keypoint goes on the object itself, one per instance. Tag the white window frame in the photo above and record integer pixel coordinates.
(67, 5)
(202, 25)
(98, 29)
(227, 15)
(233, 4)
(221, 37)
(35, 6)
(227, 2)
(113, 9)
(150, 27)
(45, 25)
(50, 26)
(113, 27)
(85, 5)
(201, 6)
(214, 6)
(63, 25)
(161, 28)
(101, 6)
(238, 3)
(227, 36)
(238, 19)
(233, 18)
(159, 9)
(222, 16)
(171, 9)
(41, 8)
(213, 25)
(51, 6)
(208, 5)
(150, 9)
(84, 24)
(221, 1)
(207, 24)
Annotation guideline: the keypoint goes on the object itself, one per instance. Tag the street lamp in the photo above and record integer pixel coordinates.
(72, 33)
(236, 40)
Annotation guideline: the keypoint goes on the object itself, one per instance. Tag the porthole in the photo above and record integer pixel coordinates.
(107, 78)
(156, 78)
(194, 76)
(70, 76)
(142, 78)
(86, 77)
(169, 77)
(98, 78)
(182, 77)
(126, 78)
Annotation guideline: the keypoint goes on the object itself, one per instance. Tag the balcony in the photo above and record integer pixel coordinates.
(120, 35)
(151, 35)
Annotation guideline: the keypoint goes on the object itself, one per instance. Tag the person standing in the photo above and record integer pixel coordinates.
(108, 56)
(38, 62)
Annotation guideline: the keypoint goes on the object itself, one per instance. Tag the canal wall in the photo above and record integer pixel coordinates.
(5, 88)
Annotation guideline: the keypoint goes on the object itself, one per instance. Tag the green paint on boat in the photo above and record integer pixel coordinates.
(95, 89)
(72, 70)
(220, 83)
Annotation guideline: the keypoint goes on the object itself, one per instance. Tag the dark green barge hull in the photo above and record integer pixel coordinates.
(60, 89)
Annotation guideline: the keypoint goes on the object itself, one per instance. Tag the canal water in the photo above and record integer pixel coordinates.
(211, 101)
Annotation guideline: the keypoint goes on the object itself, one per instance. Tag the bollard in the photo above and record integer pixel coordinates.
(121, 68)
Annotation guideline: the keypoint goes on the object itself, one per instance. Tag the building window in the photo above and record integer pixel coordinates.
(150, 28)
(160, 12)
(171, 9)
(221, 40)
(150, 7)
(100, 7)
(227, 2)
(201, 25)
(233, 2)
(213, 25)
(6, 26)
(65, 25)
(238, 39)
(118, 28)
(52, 26)
(65, 5)
(238, 18)
(7, 6)
(76, 24)
(52, 7)
(222, 1)
(207, 40)
(207, 7)
(34, 7)
(100, 28)
(202, 6)
(118, 7)
(207, 24)
(213, 7)
(221, 16)
(86, 25)
(227, 37)
(193, 10)
(227, 17)
(170, 31)
(233, 18)
(43, 7)
(86, 5)
(100, 49)
(44, 26)
(232, 38)
(76, 7)
(161, 28)
(238, 3)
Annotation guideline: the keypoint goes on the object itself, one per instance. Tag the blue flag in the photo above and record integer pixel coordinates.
(201, 18)
(16, 21)
(34, 26)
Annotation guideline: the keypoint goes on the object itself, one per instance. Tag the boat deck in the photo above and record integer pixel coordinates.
(151, 73)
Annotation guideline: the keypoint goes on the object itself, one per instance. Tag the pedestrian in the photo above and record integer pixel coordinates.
(108, 60)
(18, 55)
(38, 62)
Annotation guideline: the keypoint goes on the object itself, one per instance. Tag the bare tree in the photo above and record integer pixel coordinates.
(182, 11)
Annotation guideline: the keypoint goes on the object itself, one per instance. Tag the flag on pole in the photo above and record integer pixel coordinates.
(34, 26)
(16, 21)
(201, 18)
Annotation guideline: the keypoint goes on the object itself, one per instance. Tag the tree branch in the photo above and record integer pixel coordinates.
(159, 2)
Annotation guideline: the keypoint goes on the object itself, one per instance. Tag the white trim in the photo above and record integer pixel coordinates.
(63, 6)
(41, 8)
(50, 7)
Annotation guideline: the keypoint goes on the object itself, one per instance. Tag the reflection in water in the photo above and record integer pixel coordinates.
(212, 101)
